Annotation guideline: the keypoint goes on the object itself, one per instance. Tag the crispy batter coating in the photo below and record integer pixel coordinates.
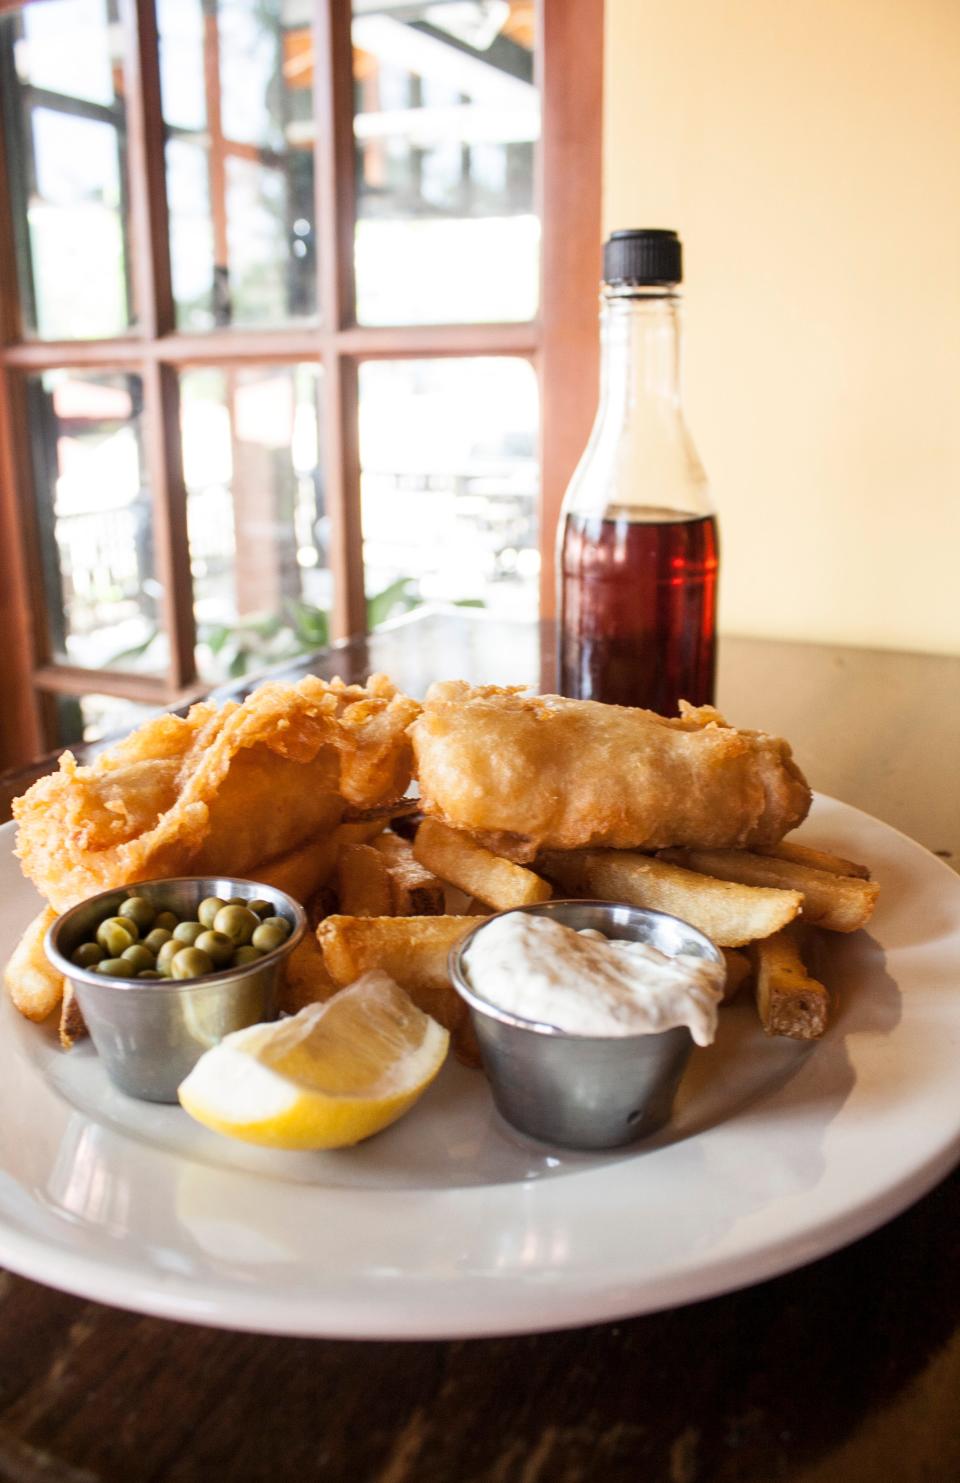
(217, 791)
(543, 771)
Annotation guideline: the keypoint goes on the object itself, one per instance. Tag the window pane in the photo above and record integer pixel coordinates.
(95, 521)
(237, 79)
(448, 450)
(93, 718)
(447, 119)
(257, 516)
(64, 124)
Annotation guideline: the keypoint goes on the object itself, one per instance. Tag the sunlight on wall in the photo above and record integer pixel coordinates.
(808, 155)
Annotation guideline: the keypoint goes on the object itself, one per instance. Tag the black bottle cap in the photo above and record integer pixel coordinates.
(648, 255)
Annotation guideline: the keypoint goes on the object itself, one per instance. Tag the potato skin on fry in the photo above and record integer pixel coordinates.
(457, 858)
(730, 915)
(415, 891)
(73, 1026)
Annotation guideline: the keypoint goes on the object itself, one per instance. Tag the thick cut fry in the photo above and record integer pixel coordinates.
(304, 979)
(841, 903)
(412, 950)
(363, 885)
(34, 985)
(73, 1027)
(415, 891)
(738, 971)
(789, 1001)
(458, 859)
(802, 854)
(731, 915)
(301, 872)
(305, 871)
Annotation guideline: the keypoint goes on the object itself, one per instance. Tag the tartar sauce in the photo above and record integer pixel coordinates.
(586, 984)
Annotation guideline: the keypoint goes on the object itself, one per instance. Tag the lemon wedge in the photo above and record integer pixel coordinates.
(325, 1078)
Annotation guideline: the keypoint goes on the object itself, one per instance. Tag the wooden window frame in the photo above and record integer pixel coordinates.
(561, 343)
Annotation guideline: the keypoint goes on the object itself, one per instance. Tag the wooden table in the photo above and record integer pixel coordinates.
(843, 1372)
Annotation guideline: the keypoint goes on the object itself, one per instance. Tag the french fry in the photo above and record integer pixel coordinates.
(789, 1001)
(801, 854)
(457, 858)
(362, 882)
(412, 950)
(415, 891)
(304, 979)
(33, 984)
(738, 971)
(729, 914)
(303, 871)
(841, 903)
(72, 1024)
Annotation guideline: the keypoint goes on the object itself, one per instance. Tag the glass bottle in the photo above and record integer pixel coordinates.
(637, 541)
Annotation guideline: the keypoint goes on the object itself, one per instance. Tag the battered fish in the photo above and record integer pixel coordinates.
(216, 792)
(524, 773)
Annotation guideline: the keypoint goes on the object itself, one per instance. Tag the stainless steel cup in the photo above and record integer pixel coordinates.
(151, 1032)
(584, 1091)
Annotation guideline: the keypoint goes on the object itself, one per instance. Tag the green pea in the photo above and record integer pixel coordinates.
(245, 955)
(235, 901)
(149, 973)
(187, 933)
(115, 934)
(280, 923)
(217, 946)
(208, 909)
(261, 907)
(190, 962)
(138, 957)
(115, 968)
(154, 940)
(236, 922)
(267, 937)
(166, 956)
(87, 955)
(139, 910)
(166, 919)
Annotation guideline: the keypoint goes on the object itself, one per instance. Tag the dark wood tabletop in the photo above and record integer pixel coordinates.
(846, 1371)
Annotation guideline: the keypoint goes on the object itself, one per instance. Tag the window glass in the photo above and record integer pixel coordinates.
(448, 450)
(93, 718)
(447, 117)
(64, 127)
(257, 515)
(237, 80)
(95, 521)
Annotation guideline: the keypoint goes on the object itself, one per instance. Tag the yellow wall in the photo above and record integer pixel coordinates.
(808, 152)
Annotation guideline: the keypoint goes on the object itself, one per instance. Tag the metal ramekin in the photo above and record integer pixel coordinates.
(584, 1091)
(151, 1032)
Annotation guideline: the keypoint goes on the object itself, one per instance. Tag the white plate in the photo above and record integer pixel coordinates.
(449, 1224)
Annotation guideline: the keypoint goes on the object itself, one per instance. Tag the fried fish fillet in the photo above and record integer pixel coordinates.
(217, 791)
(524, 773)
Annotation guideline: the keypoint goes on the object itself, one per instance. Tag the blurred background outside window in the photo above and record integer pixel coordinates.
(443, 198)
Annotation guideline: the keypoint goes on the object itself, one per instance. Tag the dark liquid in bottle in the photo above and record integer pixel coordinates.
(638, 610)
